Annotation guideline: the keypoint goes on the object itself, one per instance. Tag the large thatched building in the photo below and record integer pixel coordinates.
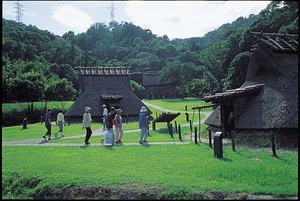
(105, 85)
(268, 100)
(156, 88)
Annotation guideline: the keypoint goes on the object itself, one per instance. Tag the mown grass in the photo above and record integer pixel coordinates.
(178, 104)
(176, 168)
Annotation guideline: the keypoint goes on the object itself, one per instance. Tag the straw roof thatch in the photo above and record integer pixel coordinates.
(274, 67)
(102, 85)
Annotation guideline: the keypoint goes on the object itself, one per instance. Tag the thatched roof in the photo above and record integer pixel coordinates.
(275, 105)
(235, 93)
(151, 78)
(100, 88)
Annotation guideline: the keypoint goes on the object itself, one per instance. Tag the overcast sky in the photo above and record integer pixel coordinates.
(176, 19)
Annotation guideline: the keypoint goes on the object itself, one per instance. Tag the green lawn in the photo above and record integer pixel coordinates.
(176, 168)
(180, 169)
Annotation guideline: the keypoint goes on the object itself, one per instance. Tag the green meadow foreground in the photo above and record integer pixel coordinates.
(178, 171)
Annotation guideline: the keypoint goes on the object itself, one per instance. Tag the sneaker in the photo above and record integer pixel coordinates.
(44, 137)
(145, 141)
(87, 143)
(140, 142)
(49, 138)
(120, 141)
(62, 135)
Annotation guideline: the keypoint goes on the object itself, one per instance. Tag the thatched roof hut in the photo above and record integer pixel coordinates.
(268, 100)
(105, 85)
(156, 88)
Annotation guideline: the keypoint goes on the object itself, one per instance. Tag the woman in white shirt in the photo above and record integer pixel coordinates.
(87, 123)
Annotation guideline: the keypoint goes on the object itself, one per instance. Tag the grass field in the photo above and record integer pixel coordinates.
(180, 170)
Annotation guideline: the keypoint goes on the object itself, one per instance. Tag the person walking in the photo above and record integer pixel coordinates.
(143, 125)
(109, 137)
(60, 120)
(118, 126)
(87, 123)
(48, 124)
(104, 114)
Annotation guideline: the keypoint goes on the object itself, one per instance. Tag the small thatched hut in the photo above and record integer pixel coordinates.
(157, 89)
(105, 85)
(268, 100)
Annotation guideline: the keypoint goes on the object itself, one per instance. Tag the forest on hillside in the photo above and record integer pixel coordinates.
(38, 65)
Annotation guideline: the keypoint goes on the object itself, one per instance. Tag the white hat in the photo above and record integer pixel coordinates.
(103, 105)
(143, 109)
(119, 110)
(87, 109)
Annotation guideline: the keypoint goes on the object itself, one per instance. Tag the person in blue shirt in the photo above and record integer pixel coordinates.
(143, 125)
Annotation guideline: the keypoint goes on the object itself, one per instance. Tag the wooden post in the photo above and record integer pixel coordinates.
(196, 135)
(176, 127)
(273, 144)
(191, 130)
(222, 114)
(153, 125)
(209, 137)
(179, 132)
(199, 124)
(233, 139)
(171, 130)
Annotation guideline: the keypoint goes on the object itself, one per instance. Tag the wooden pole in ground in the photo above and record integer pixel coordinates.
(179, 132)
(196, 135)
(233, 139)
(171, 130)
(199, 124)
(273, 144)
(209, 137)
(191, 130)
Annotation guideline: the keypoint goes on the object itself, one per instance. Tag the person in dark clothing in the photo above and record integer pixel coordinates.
(110, 118)
(109, 126)
(48, 124)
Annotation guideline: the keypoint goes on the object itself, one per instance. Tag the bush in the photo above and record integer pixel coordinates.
(15, 117)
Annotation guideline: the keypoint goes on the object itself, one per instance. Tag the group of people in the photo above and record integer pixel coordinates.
(60, 121)
(112, 123)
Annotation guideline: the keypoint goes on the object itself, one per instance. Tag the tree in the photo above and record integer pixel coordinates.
(237, 71)
(138, 89)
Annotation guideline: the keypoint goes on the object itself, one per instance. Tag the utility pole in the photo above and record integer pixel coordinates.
(18, 11)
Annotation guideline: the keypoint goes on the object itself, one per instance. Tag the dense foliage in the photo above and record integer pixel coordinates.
(38, 65)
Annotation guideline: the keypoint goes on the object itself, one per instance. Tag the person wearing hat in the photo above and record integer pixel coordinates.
(143, 125)
(118, 126)
(87, 123)
(104, 114)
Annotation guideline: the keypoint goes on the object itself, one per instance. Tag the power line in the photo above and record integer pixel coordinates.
(18, 11)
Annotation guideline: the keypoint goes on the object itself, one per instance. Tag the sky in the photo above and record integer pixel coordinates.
(176, 19)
